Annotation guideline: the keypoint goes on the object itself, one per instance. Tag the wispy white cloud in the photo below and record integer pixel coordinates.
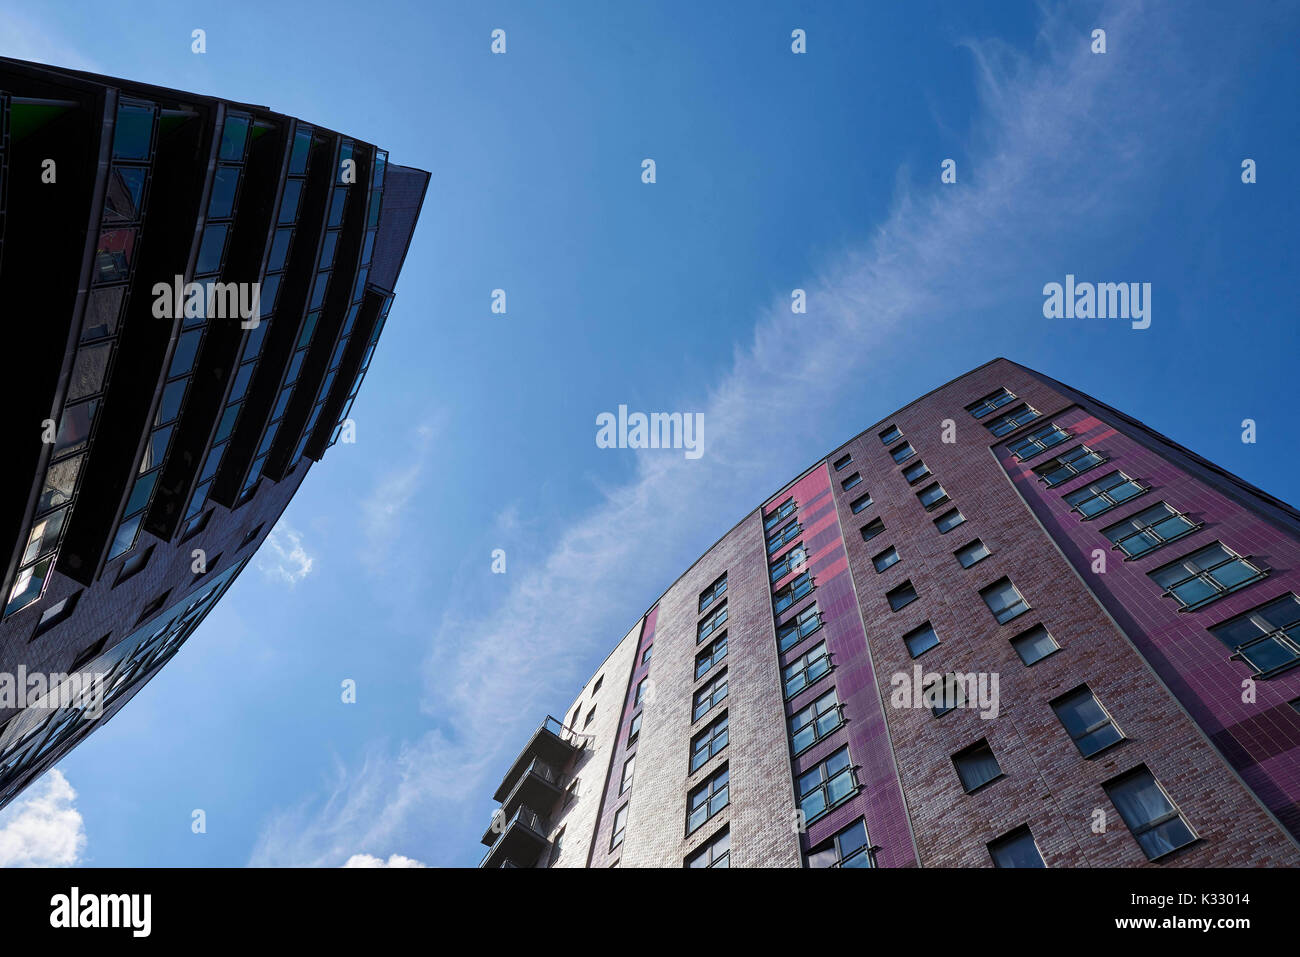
(44, 828)
(491, 673)
(382, 511)
(394, 860)
(283, 557)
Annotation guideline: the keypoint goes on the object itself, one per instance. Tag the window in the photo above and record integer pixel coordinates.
(634, 729)
(198, 525)
(805, 669)
(710, 696)
(915, 472)
(976, 766)
(133, 565)
(1267, 638)
(920, 640)
(809, 725)
(708, 742)
(1016, 849)
(1039, 440)
(89, 654)
(56, 614)
(852, 480)
(781, 513)
(860, 503)
(590, 717)
(620, 826)
(1152, 818)
(949, 520)
(891, 435)
(1004, 600)
(212, 563)
(944, 694)
(972, 553)
(848, 848)
(1149, 529)
(1206, 574)
(902, 596)
(886, 559)
(573, 720)
(642, 686)
(714, 591)
(711, 624)
(902, 453)
(716, 853)
(786, 534)
(599, 681)
(707, 799)
(153, 607)
(843, 461)
(993, 400)
(788, 562)
(872, 529)
(1104, 494)
(1067, 465)
(1013, 420)
(1086, 721)
(932, 496)
(1034, 645)
(804, 624)
(710, 656)
(557, 844)
(629, 770)
(827, 785)
(793, 592)
(645, 655)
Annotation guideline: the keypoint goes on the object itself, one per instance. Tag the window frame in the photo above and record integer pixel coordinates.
(1260, 570)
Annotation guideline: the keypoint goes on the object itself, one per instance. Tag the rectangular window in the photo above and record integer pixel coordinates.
(872, 529)
(902, 453)
(711, 656)
(798, 589)
(1150, 528)
(1016, 849)
(1034, 645)
(56, 614)
(591, 715)
(711, 624)
(1152, 818)
(902, 596)
(843, 462)
(620, 825)
(848, 848)
(1104, 494)
(716, 853)
(786, 534)
(851, 481)
(809, 725)
(886, 559)
(1267, 637)
(634, 729)
(1067, 465)
(920, 640)
(1009, 422)
(826, 786)
(707, 799)
(891, 435)
(710, 696)
(944, 694)
(932, 496)
(1004, 600)
(1039, 440)
(133, 565)
(629, 770)
(804, 624)
(1206, 574)
(976, 766)
(915, 472)
(599, 681)
(779, 514)
(860, 503)
(713, 592)
(1089, 725)
(641, 689)
(949, 520)
(994, 400)
(155, 606)
(708, 742)
(972, 553)
(805, 670)
(787, 562)
(645, 655)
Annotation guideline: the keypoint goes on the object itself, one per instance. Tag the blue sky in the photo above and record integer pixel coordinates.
(775, 171)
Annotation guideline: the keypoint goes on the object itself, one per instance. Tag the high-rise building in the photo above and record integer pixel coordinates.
(192, 290)
(1008, 626)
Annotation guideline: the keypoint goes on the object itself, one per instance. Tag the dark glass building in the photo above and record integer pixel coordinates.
(1006, 626)
(192, 291)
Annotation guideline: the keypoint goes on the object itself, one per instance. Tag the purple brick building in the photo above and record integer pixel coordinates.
(1005, 626)
(194, 289)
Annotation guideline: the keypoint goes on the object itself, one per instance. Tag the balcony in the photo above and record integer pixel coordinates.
(520, 842)
(552, 743)
(538, 786)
